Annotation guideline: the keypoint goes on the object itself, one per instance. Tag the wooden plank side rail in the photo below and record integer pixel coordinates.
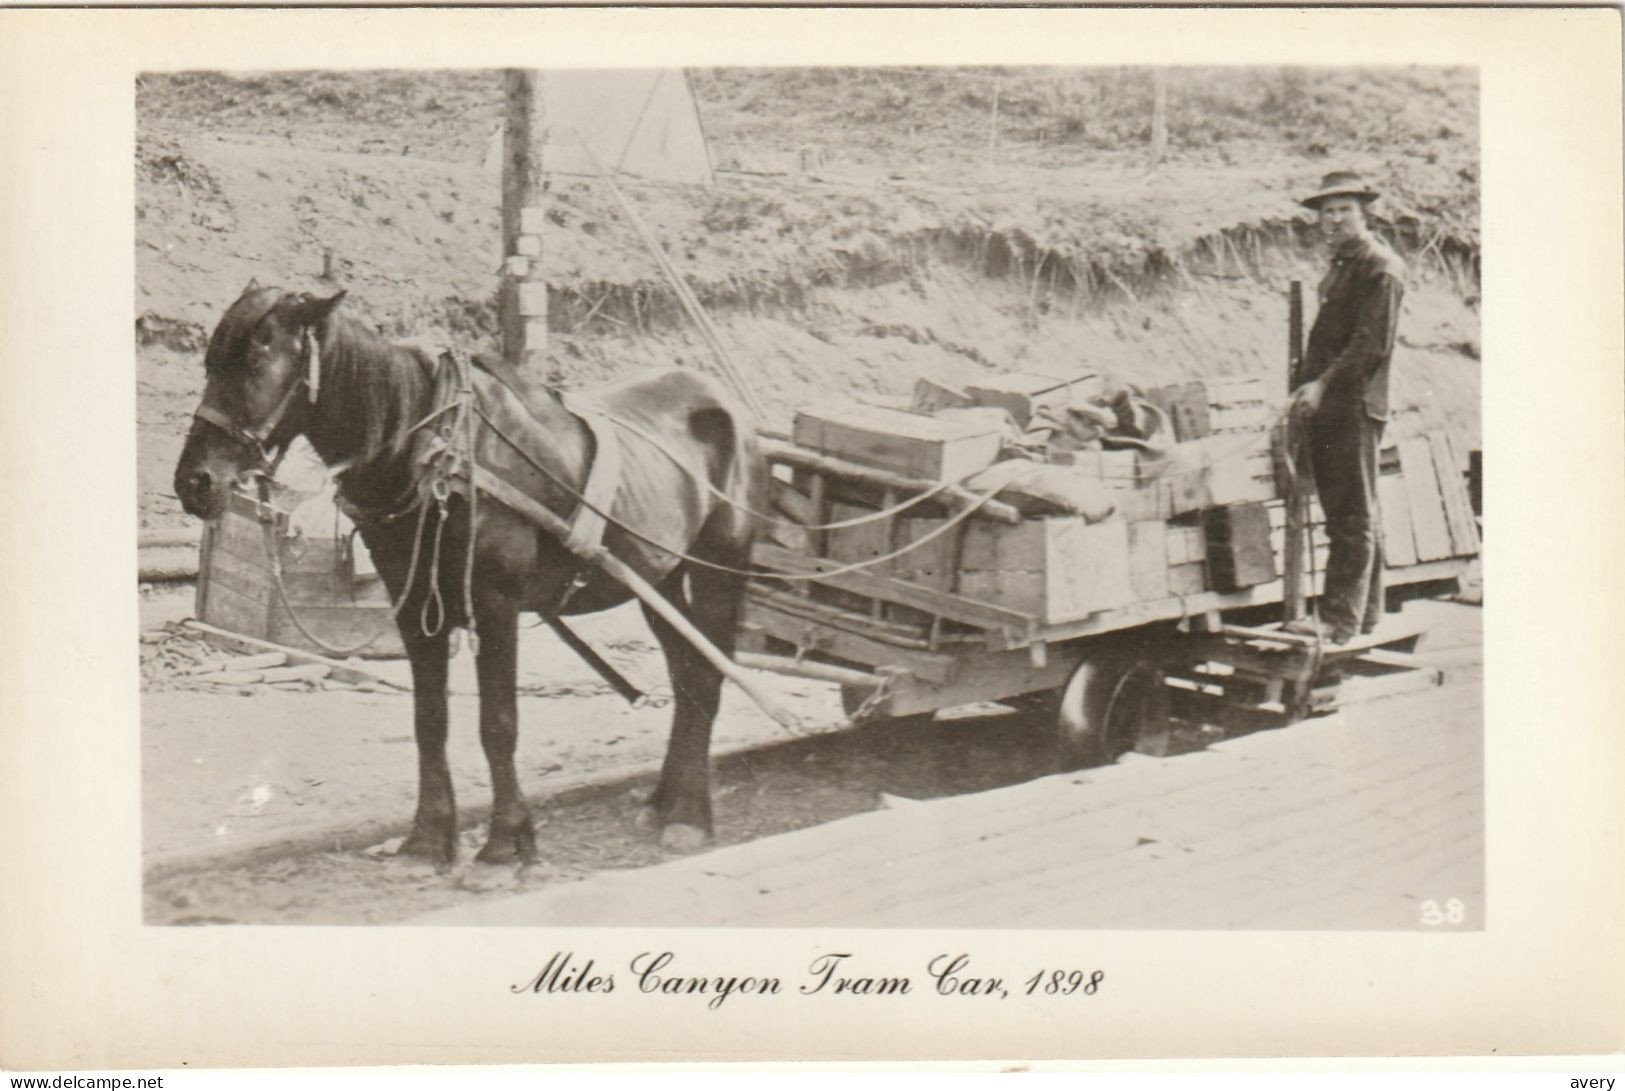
(1173, 608)
(957, 608)
(952, 495)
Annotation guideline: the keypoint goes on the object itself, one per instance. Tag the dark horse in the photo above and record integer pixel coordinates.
(280, 364)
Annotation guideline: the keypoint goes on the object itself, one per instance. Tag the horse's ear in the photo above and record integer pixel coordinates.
(253, 285)
(313, 310)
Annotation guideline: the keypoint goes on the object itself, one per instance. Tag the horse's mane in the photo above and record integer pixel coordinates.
(373, 393)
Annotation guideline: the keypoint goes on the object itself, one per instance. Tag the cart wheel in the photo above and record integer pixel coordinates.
(1103, 707)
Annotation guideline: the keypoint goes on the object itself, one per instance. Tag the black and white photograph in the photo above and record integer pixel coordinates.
(806, 496)
(743, 535)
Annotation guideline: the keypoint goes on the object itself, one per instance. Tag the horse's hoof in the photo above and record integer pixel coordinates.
(678, 837)
(647, 818)
(495, 852)
(509, 848)
(439, 851)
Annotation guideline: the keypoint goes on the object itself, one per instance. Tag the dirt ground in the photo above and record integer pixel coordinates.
(283, 807)
(262, 803)
(232, 771)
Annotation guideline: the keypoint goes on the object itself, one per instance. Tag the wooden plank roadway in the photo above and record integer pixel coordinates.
(1351, 821)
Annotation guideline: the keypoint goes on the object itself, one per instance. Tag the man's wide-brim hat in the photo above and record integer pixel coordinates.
(1340, 183)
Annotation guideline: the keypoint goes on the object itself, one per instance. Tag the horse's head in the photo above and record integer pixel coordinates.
(260, 380)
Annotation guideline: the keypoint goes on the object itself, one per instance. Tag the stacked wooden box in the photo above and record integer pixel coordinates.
(929, 448)
(1239, 405)
(1056, 568)
(1204, 515)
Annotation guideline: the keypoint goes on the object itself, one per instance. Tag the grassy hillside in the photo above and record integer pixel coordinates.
(913, 243)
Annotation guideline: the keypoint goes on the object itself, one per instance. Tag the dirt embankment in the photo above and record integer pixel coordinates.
(911, 244)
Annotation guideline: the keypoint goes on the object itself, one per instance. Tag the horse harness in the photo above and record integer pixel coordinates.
(445, 463)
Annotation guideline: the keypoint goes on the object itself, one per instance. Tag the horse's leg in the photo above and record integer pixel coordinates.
(512, 835)
(681, 804)
(434, 827)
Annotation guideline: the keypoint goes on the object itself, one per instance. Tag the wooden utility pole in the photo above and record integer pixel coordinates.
(1159, 116)
(524, 286)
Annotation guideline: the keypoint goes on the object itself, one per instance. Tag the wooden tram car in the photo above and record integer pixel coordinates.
(1132, 630)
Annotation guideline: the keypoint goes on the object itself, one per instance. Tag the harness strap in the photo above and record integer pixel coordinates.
(603, 479)
(258, 437)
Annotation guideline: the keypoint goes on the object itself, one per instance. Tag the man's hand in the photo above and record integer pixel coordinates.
(1306, 400)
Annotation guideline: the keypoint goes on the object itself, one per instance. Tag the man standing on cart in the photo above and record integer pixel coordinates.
(1340, 394)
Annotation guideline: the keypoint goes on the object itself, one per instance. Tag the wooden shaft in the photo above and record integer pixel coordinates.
(1294, 317)
(1292, 583)
(807, 668)
(663, 606)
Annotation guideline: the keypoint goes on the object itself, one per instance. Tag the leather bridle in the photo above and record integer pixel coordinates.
(309, 381)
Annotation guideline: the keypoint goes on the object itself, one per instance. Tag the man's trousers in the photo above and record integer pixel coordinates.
(1343, 442)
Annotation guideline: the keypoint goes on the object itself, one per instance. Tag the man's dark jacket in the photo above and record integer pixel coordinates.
(1352, 342)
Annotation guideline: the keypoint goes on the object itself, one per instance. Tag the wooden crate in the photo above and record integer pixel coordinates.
(1240, 418)
(1249, 390)
(1151, 499)
(855, 544)
(1238, 546)
(1057, 569)
(930, 396)
(1186, 542)
(935, 563)
(1189, 578)
(1187, 407)
(1086, 566)
(920, 446)
(236, 590)
(1214, 472)
(1148, 560)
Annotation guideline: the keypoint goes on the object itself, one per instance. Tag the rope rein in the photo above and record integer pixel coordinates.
(1168, 470)
(978, 501)
(273, 554)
